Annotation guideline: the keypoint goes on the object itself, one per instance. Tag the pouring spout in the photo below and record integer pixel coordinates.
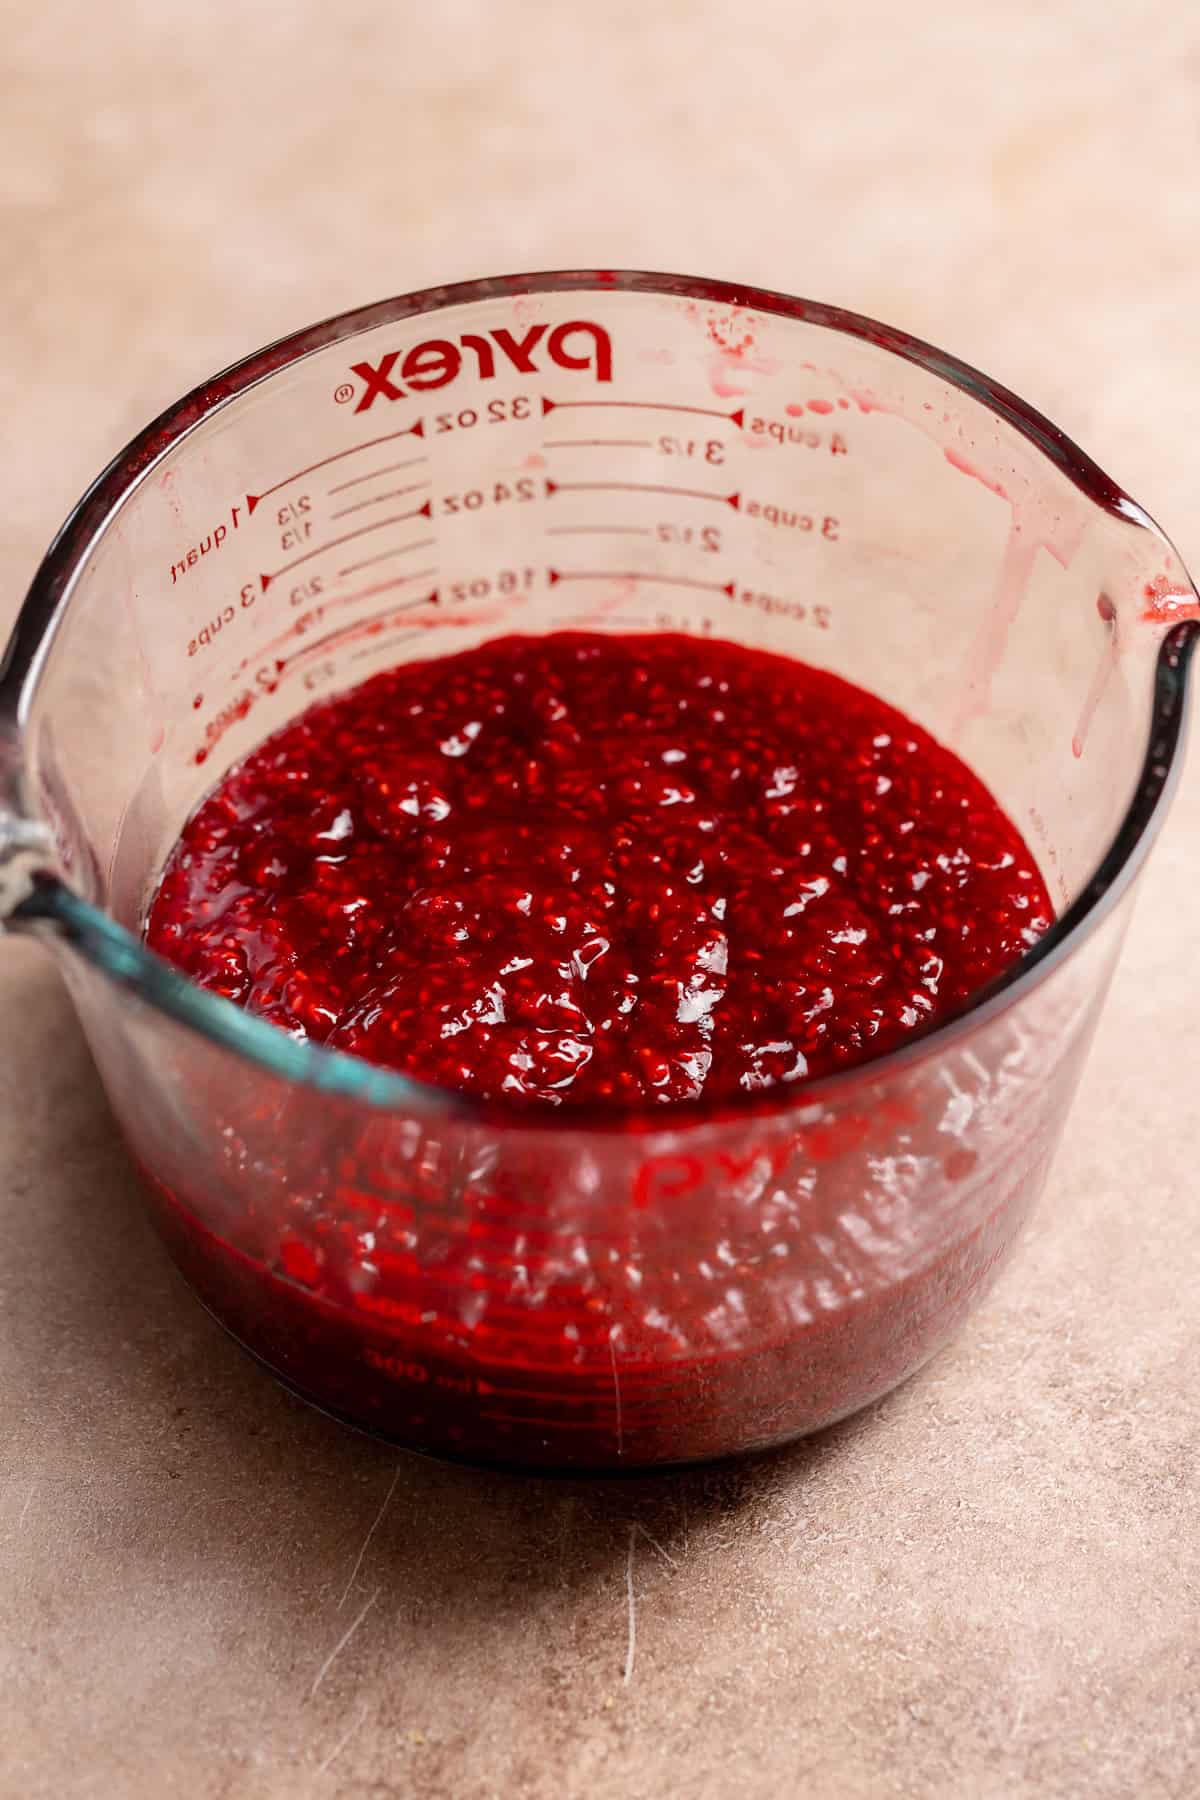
(1169, 603)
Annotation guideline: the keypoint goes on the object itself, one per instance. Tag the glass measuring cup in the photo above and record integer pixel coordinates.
(625, 453)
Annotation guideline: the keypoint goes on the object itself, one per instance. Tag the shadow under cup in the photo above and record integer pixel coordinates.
(582, 1291)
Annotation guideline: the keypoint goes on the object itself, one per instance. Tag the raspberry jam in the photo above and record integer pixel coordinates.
(631, 872)
(606, 869)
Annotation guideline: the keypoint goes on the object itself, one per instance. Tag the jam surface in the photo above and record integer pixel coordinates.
(621, 870)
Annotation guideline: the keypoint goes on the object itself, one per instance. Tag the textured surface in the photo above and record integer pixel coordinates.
(601, 871)
(988, 1585)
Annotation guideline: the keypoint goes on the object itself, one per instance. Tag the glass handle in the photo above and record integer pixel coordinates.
(26, 846)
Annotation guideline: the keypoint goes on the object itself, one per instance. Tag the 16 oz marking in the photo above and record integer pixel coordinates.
(480, 587)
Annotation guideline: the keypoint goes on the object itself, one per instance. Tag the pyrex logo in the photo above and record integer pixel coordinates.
(434, 363)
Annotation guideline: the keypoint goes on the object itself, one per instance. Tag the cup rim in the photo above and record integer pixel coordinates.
(119, 955)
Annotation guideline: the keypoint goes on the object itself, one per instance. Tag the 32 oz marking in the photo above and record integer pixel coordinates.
(496, 412)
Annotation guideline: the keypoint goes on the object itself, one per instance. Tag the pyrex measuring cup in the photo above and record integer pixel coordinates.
(624, 453)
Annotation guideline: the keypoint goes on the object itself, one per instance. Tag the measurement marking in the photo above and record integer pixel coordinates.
(640, 487)
(709, 587)
(374, 623)
(392, 494)
(571, 620)
(421, 512)
(382, 587)
(417, 430)
(597, 444)
(706, 412)
(607, 530)
(405, 637)
(323, 609)
(388, 469)
(397, 550)
(391, 612)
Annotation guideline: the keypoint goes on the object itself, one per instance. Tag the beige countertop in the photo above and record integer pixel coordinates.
(987, 1585)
